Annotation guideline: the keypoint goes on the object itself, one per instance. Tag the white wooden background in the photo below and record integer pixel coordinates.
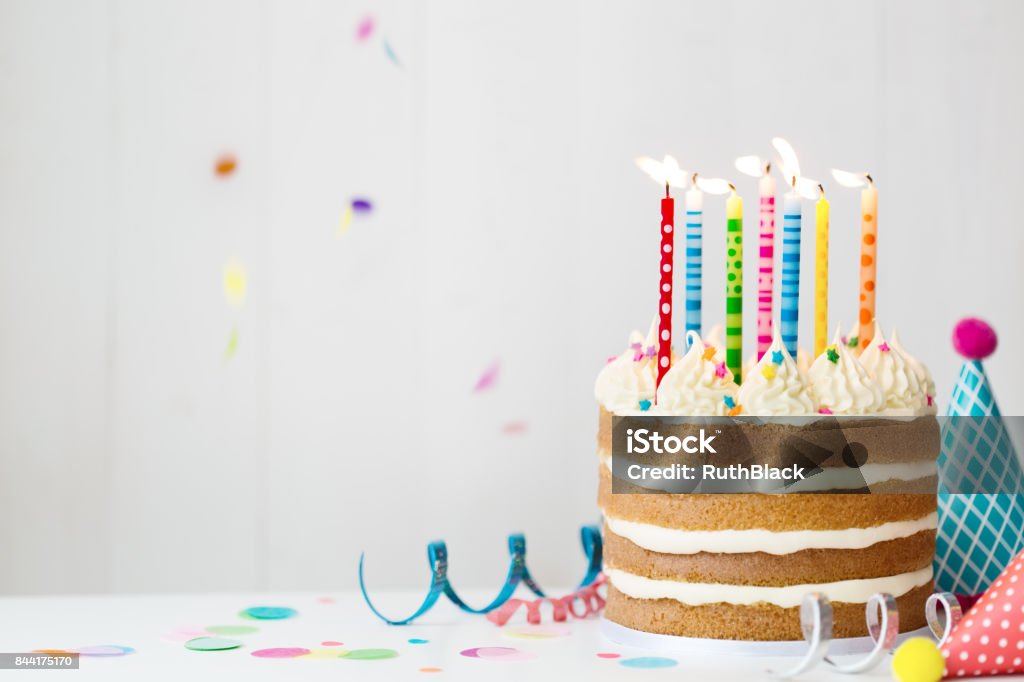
(510, 224)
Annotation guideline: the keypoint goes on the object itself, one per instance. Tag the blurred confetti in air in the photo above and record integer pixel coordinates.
(358, 206)
(235, 287)
(225, 165)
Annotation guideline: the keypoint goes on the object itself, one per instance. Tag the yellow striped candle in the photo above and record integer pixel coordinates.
(734, 285)
(821, 274)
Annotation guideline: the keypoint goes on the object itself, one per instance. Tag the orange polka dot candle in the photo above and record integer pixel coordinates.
(868, 251)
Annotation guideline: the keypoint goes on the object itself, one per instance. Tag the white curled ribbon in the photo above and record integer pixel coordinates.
(816, 624)
(942, 626)
(883, 632)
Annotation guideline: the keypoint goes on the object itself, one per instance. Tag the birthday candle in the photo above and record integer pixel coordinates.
(868, 245)
(789, 309)
(821, 274)
(694, 230)
(734, 285)
(766, 263)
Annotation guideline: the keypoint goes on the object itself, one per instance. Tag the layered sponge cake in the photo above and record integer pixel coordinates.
(736, 566)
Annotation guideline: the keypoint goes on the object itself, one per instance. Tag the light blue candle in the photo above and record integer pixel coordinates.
(694, 246)
(789, 310)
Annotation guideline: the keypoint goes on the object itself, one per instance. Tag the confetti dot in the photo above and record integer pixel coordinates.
(103, 650)
(280, 652)
(232, 629)
(365, 28)
(430, 670)
(331, 642)
(212, 644)
(370, 654)
(609, 655)
(235, 282)
(649, 662)
(418, 641)
(315, 654)
(362, 205)
(225, 165)
(496, 653)
(268, 612)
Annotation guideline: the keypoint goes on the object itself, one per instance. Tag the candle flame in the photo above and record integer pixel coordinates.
(665, 172)
(790, 165)
(753, 166)
(807, 188)
(848, 179)
(715, 185)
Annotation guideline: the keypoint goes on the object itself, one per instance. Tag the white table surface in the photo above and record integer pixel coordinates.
(142, 621)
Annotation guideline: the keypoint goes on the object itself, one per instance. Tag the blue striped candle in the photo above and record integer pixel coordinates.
(694, 246)
(789, 309)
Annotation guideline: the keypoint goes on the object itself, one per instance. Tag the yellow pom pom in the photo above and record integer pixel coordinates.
(918, 660)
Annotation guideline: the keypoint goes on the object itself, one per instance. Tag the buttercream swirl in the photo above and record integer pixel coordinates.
(630, 378)
(775, 386)
(920, 369)
(841, 385)
(698, 384)
(903, 391)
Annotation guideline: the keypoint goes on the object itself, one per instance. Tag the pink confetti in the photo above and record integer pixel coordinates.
(609, 655)
(488, 378)
(281, 652)
(612, 358)
(365, 28)
(514, 428)
(325, 600)
(496, 653)
(331, 642)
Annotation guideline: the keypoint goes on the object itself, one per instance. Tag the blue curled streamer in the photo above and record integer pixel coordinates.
(437, 557)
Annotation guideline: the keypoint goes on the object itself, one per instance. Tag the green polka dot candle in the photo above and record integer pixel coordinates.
(734, 285)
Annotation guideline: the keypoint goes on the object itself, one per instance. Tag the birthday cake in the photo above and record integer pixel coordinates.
(736, 566)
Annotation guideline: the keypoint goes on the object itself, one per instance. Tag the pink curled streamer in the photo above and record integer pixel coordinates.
(584, 602)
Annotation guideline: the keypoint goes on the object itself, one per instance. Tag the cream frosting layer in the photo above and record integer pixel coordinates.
(677, 541)
(697, 594)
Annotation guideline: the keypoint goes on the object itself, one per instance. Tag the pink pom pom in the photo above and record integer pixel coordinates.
(974, 338)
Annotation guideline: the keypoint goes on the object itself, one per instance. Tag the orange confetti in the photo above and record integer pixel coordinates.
(430, 670)
(225, 165)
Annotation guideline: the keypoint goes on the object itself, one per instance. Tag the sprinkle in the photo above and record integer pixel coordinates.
(268, 612)
(729, 402)
(649, 662)
(488, 378)
(225, 165)
(232, 347)
(609, 655)
(844, 340)
(930, 400)
(280, 652)
(636, 346)
(735, 411)
(612, 359)
(884, 347)
(832, 354)
(768, 371)
(721, 370)
(514, 427)
(331, 642)
(418, 641)
(824, 410)
(651, 351)
(360, 205)
(391, 53)
(709, 353)
(853, 342)
(364, 29)
(370, 654)
(346, 221)
(638, 356)
(645, 405)
(235, 283)
(777, 357)
(212, 644)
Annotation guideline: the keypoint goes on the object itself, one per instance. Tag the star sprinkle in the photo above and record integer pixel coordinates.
(645, 405)
(721, 370)
(636, 346)
(824, 410)
(651, 351)
(709, 353)
(832, 354)
(735, 411)
(853, 342)
(768, 371)
(931, 400)
(884, 347)
(729, 402)
(638, 356)
(777, 357)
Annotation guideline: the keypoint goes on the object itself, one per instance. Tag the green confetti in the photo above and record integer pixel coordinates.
(370, 654)
(212, 644)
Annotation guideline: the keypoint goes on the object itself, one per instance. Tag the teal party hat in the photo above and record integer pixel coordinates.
(979, 533)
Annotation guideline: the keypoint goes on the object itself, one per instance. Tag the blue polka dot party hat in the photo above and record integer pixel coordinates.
(979, 533)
